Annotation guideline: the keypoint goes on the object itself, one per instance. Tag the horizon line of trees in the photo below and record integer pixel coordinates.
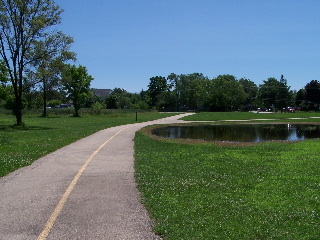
(181, 93)
(227, 93)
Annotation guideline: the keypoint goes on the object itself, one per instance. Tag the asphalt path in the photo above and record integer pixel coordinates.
(85, 190)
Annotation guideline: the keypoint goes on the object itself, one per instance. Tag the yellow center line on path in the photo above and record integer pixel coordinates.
(50, 223)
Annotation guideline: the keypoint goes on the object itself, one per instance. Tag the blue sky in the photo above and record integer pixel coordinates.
(123, 43)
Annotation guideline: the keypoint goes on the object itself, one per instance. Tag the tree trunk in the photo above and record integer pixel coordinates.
(17, 108)
(76, 108)
(19, 119)
(19, 104)
(18, 111)
(44, 99)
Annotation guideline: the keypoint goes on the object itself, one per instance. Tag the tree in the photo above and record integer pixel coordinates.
(95, 102)
(6, 96)
(119, 99)
(156, 87)
(268, 92)
(32, 99)
(313, 93)
(48, 69)
(4, 73)
(143, 102)
(122, 99)
(274, 93)
(5, 90)
(300, 97)
(251, 90)
(23, 25)
(285, 95)
(283, 80)
(76, 82)
(227, 93)
(191, 91)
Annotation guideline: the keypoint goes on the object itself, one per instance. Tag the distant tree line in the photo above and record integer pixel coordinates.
(182, 92)
(224, 93)
(227, 93)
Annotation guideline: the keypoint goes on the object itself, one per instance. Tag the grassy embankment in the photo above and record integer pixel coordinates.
(218, 116)
(21, 146)
(207, 191)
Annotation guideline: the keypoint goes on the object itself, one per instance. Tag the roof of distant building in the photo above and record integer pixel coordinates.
(103, 93)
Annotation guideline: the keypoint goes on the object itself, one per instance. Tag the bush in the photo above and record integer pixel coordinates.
(98, 105)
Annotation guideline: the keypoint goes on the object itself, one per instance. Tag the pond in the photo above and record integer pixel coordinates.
(253, 133)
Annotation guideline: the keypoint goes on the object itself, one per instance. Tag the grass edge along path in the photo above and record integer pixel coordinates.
(251, 116)
(21, 146)
(206, 191)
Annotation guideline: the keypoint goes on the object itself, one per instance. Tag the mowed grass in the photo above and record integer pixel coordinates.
(21, 146)
(217, 116)
(207, 191)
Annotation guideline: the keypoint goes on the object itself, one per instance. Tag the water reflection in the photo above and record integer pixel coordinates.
(241, 132)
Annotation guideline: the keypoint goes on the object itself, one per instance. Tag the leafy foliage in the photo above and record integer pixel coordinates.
(76, 81)
(308, 98)
(251, 90)
(121, 99)
(312, 91)
(228, 93)
(48, 69)
(4, 72)
(157, 86)
(275, 94)
(23, 25)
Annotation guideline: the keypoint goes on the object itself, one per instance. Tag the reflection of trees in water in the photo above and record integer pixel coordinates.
(241, 132)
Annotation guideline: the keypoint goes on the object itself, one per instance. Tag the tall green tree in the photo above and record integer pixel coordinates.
(227, 93)
(275, 94)
(48, 69)
(76, 82)
(200, 89)
(300, 97)
(285, 95)
(174, 86)
(312, 90)
(251, 90)
(120, 99)
(192, 91)
(23, 25)
(157, 86)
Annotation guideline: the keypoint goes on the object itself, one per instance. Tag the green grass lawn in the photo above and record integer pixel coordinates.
(21, 146)
(207, 191)
(217, 116)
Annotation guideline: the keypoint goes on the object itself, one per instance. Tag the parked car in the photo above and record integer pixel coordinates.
(291, 110)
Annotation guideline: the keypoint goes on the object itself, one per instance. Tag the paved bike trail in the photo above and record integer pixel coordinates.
(85, 190)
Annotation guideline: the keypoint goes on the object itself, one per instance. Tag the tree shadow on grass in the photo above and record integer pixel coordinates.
(6, 128)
